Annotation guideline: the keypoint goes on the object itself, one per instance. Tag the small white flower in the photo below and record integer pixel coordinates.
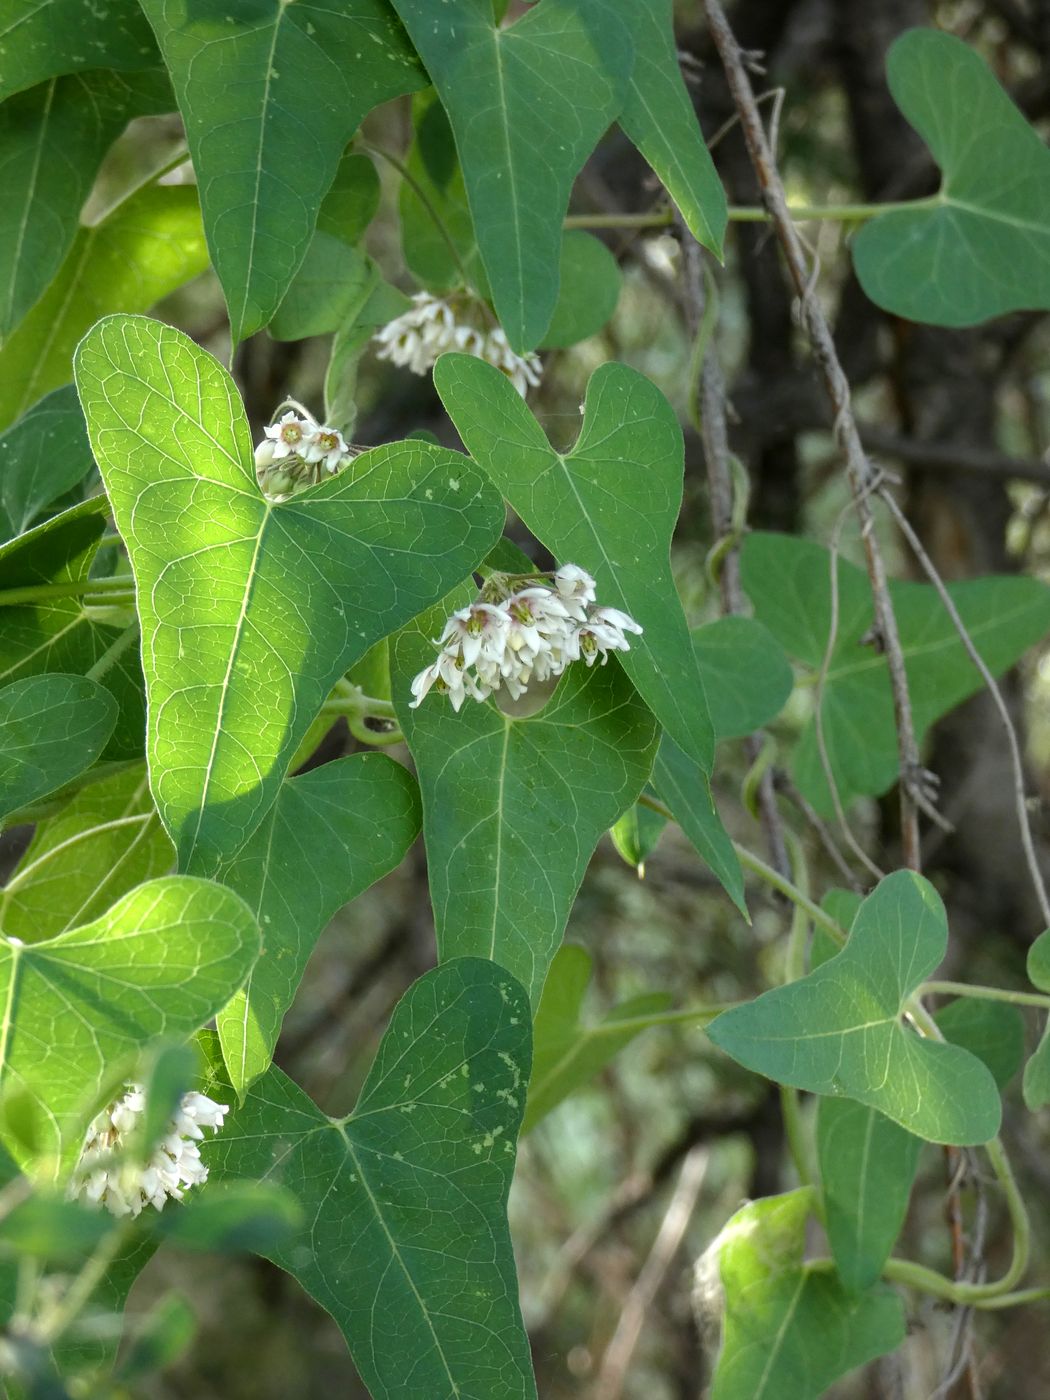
(103, 1177)
(433, 325)
(288, 435)
(325, 445)
(479, 631)
(575, 588)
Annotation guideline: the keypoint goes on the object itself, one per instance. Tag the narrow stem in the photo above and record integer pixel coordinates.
(981, 993)
(110, 589)
(359, 706)
(753, 214)
(114, 652)
(79, 1292)
(396, 163)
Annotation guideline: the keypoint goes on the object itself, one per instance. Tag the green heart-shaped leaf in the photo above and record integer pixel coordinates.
(527, 103)
(839, 1030)
(251, 609)
(266, 146)
(331, 833)
(406, 1242)
(79, 1007)
(609, 505)
(513, 808)
(52, 728)
(981, 246)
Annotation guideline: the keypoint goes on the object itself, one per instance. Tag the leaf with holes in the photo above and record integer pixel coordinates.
(609, 505)
(527, 104)
(569, 1051)
(79, 1007)
(407, 1244)
(270, 97)
(331, 833)
(42, 456)
(838, 1031)
(103, 843)
(789, 1330)
(789, 583)
(149, 245)
(981, 246)
(513, 808)
(52, 728)
(251, 609)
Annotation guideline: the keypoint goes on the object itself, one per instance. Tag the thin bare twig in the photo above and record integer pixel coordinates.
(846, 431)
(617, 1358)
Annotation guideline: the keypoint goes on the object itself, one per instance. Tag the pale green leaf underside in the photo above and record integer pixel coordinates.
(52, 728)
(77, 1008)
(407, 1244)
(270, 95)
(982, 247)
(790, 1331)
(527, 105)
(250, 609)
(610, 505)
(660, 119)
(867, 1168)
(839, 1032)
(106, 840)
(513, 808)
(788, 581)
(331, 833)
(568, 1051)
(42, 456)
(149, 245)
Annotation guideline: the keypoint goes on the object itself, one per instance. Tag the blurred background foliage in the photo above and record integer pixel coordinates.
(963, 417)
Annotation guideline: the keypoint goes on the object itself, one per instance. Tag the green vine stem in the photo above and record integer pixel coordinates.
(753, 214)
(110, 590)
(982, 993)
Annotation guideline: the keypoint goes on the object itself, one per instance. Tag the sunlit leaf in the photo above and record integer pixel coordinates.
(250, 609)
(331, 833)
(406, 1242)
(527, 106)
(513, 808)
(838, 1031)
(981, 247)
(610, 505)
(52, 728)
(271, 93)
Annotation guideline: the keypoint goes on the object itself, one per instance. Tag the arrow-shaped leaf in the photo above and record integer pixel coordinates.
(330, 834)
(839, 1031)
(407, 1243)
(527, 104)
(270, 97)
(52, 728)
(250, 609)
(513, 808)
(610, 505)
(78, 1007)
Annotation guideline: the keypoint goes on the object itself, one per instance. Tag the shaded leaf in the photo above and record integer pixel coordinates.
(331, 833)
(660, 119)
(867, 1169)
(610, 505)
(747, 677)
(149, 245)
(514, 807)
(233, 1217)
(838, 1031)
(788, 581)
(242, 599)
(44, 38)
(991, 1030)
(981, 246)
(52, 728)
(790, 1330)
(374, 303)
(436, 188)
(1036, 1084)
(636, 834)
(568, 1051)
(106, 840)
(51, 1228)
(160, 1339)
(527, 106)
(42, 456)
(406, 1242)
(270, 97)
(686, 789)
(590, 282)
(160, 962)
(52, 141)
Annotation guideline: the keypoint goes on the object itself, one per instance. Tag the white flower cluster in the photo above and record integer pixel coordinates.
(532, 634)
(297, 451)
(104, 1176)
(434, 325)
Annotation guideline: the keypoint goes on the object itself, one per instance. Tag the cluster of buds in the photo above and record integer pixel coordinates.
(297, 451)
(507, 639)
(433, 325)
(106, 1176)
